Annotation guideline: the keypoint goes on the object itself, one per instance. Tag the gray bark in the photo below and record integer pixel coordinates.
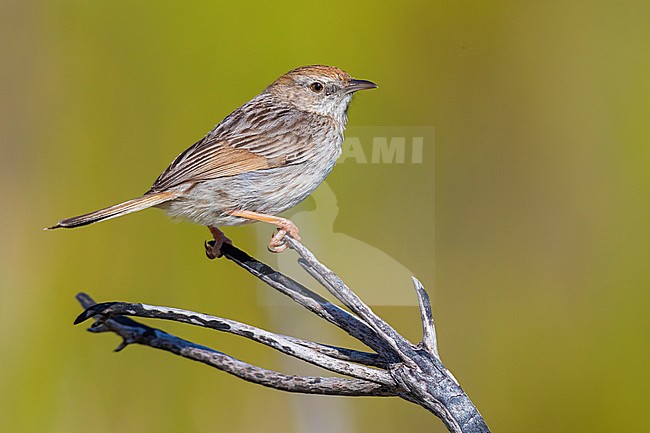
(395, 367)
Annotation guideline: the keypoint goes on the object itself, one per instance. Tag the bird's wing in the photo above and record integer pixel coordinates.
(247, 140)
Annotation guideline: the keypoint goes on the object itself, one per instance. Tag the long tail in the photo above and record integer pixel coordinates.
(146, 201)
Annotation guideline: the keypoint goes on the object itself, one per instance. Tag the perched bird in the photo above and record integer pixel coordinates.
(264, 158)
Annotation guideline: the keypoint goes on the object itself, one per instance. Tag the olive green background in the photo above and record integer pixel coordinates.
(528, 220)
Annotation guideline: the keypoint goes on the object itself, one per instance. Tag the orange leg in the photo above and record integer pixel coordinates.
(285, 227)
(213, 248)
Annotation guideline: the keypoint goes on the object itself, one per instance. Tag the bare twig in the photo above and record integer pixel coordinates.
(288, 345)
(398, 368)
(309, 299)
(133, 332)
(429, 339)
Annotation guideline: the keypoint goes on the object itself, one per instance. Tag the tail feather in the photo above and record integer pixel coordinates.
(140, 203)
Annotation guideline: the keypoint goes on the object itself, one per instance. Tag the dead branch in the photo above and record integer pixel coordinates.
(396, 367)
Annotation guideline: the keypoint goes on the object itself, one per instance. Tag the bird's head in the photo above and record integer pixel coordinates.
(324, 90)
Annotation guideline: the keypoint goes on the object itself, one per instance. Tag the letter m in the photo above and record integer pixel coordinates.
(387, 153)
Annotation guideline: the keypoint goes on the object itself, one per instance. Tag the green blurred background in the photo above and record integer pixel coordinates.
(534, 211)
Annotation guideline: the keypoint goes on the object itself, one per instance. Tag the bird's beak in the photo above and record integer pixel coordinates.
(359, 85)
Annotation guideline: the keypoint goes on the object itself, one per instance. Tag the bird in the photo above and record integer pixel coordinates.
(261, 160)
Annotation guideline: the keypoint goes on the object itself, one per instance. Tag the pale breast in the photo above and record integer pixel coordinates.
(269, 191)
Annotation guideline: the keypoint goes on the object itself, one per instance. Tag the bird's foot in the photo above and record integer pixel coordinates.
(287, 227)
(213, 247)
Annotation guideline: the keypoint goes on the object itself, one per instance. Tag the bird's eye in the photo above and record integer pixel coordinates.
(316, 87)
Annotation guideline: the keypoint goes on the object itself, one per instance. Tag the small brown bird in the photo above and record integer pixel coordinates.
(264, 158)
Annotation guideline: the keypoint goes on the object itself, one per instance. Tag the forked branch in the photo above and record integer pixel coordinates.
(395, 367)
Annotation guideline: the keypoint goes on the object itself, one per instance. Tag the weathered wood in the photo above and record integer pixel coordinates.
(398, 367)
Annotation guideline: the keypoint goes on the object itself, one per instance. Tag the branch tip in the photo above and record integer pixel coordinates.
(97, 328)
(429, 339)
(121, 346)
(81, 318)
(92, 311)
(85, 300)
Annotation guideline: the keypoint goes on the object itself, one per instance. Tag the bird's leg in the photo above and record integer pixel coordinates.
(213, 247)
(285, 227)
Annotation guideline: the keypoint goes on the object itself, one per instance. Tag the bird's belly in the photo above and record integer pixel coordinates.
(264, 191)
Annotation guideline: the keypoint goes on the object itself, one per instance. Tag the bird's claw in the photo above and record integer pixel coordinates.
(211, 251)
(213, 247)
(278, 243)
